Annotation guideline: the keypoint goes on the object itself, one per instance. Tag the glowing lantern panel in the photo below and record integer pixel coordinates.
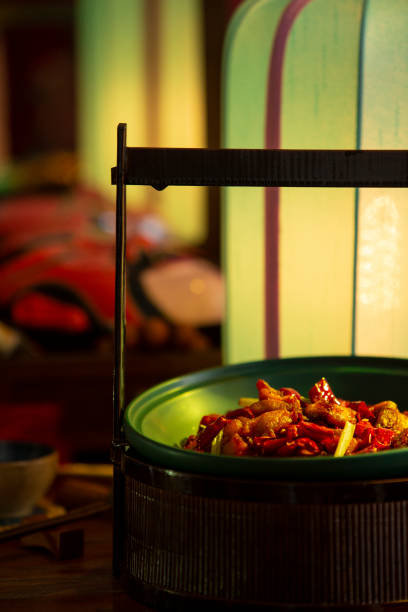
(316, 271)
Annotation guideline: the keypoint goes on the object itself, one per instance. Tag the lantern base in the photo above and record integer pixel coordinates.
(286, 545)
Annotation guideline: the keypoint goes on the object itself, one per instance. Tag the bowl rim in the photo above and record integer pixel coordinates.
(174, 457)
(48, 452)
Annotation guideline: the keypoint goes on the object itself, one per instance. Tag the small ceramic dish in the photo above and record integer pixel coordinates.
(27, 470)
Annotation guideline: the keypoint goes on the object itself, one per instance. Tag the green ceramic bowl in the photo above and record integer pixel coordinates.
(156, 421)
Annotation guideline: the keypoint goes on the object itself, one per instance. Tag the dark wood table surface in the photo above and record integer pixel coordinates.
(33, 580)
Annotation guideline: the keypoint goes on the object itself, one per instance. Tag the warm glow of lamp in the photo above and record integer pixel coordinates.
(181, 107)
(141, 63)
(111, 72)
(316, 271)
(381, 295)
(379, 269)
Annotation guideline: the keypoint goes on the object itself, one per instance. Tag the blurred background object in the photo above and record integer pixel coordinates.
(70, 70)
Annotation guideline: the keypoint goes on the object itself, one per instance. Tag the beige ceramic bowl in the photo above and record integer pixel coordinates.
(27, 471)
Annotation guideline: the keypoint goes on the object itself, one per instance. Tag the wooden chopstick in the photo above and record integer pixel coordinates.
(86, 470)
(72, 515)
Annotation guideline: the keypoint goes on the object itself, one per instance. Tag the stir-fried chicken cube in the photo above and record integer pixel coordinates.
(266, 424)
(376, 408)
(232, 427)
(290, 403)
(270, 422)
(234, 445)
(232, 442)
(401, 439)
(268, 405)
(258, 407)
(333, 414)
(389, 417)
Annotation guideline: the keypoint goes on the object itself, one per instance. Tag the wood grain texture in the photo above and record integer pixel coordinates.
(33, 580)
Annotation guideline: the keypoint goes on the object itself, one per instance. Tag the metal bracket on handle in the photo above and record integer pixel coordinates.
(264, 168)
(120, 292)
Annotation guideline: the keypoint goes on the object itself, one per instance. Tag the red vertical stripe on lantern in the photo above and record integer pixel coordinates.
(273, 141)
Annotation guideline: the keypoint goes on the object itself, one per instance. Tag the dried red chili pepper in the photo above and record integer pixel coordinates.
(370, 437)
(363, 411)
(362, 427)
(329, 444)
(268, 445)
(364, 434)
(286, 450)
(299, 446)
(209, 419)
(323, 392)
(315, 432)
(286, 446)
(207, 435)
(307, 446)
(383, 436)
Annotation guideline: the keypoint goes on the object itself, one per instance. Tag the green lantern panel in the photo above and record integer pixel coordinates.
(301, 278)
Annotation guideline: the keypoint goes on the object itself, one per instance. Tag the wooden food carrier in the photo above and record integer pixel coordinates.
(187, 540)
